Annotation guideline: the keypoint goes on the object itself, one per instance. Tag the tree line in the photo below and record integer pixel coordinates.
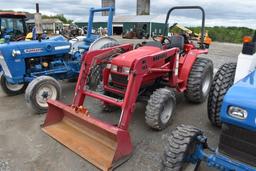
(226, 34)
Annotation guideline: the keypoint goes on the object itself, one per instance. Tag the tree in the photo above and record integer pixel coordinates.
(61, 17)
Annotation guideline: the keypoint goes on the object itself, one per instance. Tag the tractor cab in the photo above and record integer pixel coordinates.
(12, 24)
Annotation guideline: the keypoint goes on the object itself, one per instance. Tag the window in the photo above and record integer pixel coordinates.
(13, 27)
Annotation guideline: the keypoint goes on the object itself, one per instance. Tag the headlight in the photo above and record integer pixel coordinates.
(237, 112)
(15, 53)
(126, 70)
(114, 68)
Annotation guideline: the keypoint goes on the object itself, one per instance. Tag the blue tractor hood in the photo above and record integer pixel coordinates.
(51, 46)
(13, 55)
(243, 95)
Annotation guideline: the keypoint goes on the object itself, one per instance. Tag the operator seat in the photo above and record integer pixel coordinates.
(176, 41)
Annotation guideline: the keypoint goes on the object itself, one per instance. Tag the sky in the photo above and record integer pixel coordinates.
(218, 12)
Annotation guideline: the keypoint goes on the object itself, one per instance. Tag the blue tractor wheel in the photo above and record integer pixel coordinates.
(181, 146)
(12, 89)
(222, 81)
(39, 91)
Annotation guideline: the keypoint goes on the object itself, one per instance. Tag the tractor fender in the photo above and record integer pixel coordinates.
(185, 67)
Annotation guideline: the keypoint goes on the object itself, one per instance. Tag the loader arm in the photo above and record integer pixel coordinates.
(89, 58)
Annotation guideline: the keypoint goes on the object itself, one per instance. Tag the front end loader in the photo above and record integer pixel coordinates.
(154, 71)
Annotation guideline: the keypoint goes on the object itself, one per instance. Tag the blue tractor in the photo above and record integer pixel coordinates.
(232, 106)
(35, 66)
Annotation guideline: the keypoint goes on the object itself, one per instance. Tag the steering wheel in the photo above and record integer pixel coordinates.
(162, 39)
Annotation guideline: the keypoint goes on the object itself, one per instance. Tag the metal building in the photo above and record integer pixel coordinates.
(51, 25)
(143, 7)
(107, 3)
(153, 25)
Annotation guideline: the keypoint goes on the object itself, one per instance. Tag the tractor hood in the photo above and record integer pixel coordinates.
(21, 49)
(13, 55)
(127, 59)
(243, 95)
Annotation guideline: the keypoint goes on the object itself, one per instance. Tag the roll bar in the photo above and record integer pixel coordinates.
(188, 7)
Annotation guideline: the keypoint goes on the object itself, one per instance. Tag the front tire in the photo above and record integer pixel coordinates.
(199, 81)
(223, 80)
(160, 108)
(39, 91)
(181, 145)
(12, 89)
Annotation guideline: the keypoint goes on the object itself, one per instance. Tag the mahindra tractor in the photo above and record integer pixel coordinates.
(231, 105)
(156, 71)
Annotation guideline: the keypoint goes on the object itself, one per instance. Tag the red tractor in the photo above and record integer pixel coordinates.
(12, 24)
(157, 70)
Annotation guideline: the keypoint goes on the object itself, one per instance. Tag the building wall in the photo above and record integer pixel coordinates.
(49, 27)
(96, 25)
(129, 26)
(156, 28)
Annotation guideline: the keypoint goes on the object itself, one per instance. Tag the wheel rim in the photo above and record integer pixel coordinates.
(167, 111)
(44, 93)
(14, 87)
(206, 83)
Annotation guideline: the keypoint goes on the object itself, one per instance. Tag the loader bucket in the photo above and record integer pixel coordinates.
(102, 144)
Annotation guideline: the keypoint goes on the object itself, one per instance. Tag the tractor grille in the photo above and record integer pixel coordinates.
(238, 143)
(118, 78)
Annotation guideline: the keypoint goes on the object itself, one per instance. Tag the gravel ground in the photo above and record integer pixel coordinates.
(24, 147)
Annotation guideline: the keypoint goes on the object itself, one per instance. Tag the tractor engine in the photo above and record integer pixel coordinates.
(46, 63)
(122, 65)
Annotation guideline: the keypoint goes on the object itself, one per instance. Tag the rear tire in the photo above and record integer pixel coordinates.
(223, 80)
(181, 144)
(199, 81)
(160, 108)
(39, 91)
(12, 89)
(105, 106)
(95, 75)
